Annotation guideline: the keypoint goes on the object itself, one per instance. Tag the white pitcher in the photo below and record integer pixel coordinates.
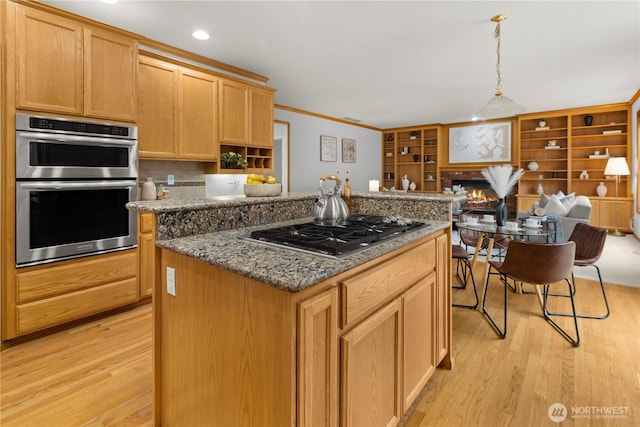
(405, 183)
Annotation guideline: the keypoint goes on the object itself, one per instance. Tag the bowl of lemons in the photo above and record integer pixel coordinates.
(262, 186)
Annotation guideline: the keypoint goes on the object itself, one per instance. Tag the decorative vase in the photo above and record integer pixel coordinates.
(539, 189)
(148, 189)
(588, 119)
(542, 123)
(405, 183)
(412, 186)
(601, 190)
(584, 175)
(533, 166)
(501, 212)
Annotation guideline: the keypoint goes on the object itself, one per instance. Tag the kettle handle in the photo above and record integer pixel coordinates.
(330, 177)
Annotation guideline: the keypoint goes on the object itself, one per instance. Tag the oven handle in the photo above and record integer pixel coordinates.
(87, 140)
(74, 185)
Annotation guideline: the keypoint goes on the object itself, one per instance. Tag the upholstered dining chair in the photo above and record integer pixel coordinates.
(463, 272)
(471, 238)
(589, 246)
(539, 264)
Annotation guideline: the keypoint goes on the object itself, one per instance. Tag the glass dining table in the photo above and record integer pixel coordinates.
(488, 231)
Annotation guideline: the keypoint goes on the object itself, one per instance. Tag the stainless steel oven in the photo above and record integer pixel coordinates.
(73, 181)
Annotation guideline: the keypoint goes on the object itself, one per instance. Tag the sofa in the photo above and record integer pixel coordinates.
(568, 210)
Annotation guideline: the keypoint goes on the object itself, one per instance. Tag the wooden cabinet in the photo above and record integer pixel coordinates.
(355, 349)
(371, 368)
(246, 124)
(146, 253)
(318, 360)
(443, 300)
(66, 67)
(607, 213)
(178, 112)
(412, 152)
(46, 296)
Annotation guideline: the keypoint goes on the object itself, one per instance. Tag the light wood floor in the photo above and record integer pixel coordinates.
(100, 373)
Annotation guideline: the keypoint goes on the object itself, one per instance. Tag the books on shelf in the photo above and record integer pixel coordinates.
(611, 132)
(548, 147)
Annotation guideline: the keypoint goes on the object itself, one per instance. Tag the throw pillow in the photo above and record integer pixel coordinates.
(557, 206)
(544, 200)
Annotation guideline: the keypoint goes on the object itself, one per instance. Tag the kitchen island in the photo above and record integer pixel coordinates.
(246, 334)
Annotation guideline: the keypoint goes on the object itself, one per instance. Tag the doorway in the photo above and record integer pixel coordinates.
(281, 153)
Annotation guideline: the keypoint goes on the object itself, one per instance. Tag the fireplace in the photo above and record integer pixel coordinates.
(480, 196)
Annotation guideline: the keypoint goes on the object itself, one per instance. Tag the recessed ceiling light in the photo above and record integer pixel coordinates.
(110, 1)
(200, 35)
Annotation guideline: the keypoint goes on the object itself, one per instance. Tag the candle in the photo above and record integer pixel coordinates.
(374, 185)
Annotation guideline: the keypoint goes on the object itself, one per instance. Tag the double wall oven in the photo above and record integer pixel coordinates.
(73, 180)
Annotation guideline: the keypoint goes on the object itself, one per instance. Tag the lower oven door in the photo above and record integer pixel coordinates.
(60, 220)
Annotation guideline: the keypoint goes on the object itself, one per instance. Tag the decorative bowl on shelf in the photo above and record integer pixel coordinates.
(533, 166)
(262, 190)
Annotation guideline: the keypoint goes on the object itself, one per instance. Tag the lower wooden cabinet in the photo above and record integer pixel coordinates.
(232, 350)
(146, 253)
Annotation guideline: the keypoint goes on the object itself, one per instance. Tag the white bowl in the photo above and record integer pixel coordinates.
(262, 190)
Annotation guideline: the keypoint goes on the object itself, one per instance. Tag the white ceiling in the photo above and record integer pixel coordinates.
(400, 63)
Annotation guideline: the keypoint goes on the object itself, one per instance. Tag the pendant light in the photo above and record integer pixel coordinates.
(500, 105)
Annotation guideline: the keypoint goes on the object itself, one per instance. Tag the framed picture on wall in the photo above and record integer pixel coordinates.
(485, 143)
(328, 149)
(348, 151)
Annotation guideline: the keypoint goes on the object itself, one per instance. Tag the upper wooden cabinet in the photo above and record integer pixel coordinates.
(177, 112)
(66, 67)
(246, 114)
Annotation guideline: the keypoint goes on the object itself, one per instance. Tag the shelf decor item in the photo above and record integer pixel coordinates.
(542, 123)
(412, 186)
(405, 183)
(500, 105)
(502, 181)
(616, 166)
(601, 190)
(584, 175)
(588, 119)
(533, 166)
(539, 189)
(149, 189)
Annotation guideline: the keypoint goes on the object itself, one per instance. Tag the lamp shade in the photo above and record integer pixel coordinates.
(616, 166)
(498, 107)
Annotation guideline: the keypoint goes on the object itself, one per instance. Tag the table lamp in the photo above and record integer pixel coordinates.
(616, 166)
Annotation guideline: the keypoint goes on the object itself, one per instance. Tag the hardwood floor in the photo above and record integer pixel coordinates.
(100, 373)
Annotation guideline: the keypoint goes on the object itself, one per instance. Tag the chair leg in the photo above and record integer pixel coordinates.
(467, 269)
(586, 316)
(462, 277)
(575, 341)
(502, 333)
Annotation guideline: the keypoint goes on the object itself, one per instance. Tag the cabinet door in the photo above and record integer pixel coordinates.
(612, 214)
(198, 113)
(370, 370)
(318, 360)
(261, 118)
(157, 109)
(419, 354)
(234, 113)
(443, 298)
(147, 253)
(110, 68)
(49, 62)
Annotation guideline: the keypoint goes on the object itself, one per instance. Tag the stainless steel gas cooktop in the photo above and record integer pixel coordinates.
(356, 233)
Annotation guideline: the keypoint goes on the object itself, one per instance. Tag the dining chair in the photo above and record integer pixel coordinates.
(589, 242)
(463, 272)
(539, 264)
(471, 237)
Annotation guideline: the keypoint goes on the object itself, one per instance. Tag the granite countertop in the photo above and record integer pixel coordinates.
(176, 205)
(283, 268)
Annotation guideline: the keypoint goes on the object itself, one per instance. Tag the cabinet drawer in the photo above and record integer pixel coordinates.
(63, 308)
(368, 290)
(75, 275)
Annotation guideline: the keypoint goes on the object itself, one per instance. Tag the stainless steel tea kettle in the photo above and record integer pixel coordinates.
(330, 208)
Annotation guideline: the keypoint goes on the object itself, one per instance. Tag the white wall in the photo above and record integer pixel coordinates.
(305, 165)
(634, 164)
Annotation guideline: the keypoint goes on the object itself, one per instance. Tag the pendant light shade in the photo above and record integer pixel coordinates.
(500, 105)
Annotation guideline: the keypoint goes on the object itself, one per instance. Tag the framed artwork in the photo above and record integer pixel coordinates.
(348, 151)
(486, 143)
(328, 149)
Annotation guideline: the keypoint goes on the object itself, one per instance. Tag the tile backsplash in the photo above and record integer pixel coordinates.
(189, 180)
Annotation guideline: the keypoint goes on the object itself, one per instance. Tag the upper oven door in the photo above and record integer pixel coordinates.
(42, 155)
